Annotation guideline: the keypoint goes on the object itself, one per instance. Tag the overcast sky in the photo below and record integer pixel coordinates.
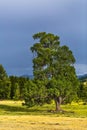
(20, 19)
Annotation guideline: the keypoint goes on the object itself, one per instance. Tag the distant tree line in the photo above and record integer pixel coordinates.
(54, 76)
(11, 87)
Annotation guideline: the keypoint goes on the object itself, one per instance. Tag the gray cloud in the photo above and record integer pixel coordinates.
(20, 19)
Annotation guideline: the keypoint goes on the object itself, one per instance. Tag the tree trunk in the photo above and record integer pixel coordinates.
(58, 102)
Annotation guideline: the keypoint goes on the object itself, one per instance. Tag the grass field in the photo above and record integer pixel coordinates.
(42, 123)
(14, 116)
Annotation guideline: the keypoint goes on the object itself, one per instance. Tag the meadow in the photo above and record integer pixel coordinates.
(14, 116)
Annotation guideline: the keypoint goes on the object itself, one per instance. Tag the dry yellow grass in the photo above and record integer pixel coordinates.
(42, 123)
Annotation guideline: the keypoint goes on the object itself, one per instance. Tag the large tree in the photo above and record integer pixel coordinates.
(53, 65)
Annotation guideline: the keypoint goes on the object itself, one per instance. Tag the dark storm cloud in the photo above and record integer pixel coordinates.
(20, 19)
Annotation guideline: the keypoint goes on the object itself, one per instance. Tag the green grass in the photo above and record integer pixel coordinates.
(16, 108)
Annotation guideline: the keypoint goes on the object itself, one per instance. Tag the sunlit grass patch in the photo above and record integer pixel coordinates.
(16, 108)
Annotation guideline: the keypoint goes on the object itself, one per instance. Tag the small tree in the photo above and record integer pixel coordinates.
(3, 74)
(16, 92)
(13, 80)
(5, 84)
(82, 91)
(53, 65)
(21, 82)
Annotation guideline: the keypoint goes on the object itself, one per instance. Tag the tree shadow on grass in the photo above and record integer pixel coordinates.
(37, 110)
(21, 110)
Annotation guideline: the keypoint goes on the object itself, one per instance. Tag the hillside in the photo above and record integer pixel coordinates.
(28, 76)
(83, 77)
